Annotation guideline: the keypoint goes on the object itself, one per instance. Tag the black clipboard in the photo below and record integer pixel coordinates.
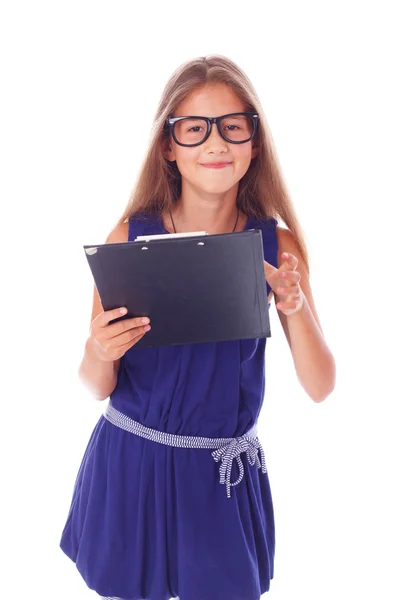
(203, 288)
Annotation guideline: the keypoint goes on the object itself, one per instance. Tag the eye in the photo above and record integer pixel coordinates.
(195, 128)
(234, 123)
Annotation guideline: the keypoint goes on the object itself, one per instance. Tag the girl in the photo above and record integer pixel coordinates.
(149, 517)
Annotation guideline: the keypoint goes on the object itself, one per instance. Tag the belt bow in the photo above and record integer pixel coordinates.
(233, 449)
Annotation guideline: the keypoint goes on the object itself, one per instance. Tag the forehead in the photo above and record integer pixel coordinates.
(211, 100)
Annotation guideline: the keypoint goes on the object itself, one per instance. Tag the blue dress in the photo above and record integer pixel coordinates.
(152, 522)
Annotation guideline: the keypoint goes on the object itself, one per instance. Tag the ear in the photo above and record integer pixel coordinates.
(254, 151)
(167, 149)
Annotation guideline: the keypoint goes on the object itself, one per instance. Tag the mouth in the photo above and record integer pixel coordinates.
(215, 165)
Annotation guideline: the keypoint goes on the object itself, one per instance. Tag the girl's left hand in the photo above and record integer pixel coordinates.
(285, 282)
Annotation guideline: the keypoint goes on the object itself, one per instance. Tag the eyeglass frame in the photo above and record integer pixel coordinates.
(170, 123)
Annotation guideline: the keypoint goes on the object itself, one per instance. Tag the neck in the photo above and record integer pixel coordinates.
(210, 215)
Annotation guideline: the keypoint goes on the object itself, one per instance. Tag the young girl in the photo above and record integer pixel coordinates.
(149, 517)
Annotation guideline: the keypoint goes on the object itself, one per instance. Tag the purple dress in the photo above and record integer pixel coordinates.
(152, 522)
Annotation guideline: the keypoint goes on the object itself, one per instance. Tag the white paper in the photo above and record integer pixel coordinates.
(148, 238)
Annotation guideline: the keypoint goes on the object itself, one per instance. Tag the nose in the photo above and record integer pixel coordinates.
(215, 142)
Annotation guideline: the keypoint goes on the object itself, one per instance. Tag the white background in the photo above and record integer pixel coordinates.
(80, 84)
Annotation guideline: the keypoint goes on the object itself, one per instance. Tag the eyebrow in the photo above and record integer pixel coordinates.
(235, 112)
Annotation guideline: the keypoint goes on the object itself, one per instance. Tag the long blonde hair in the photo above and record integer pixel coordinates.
(262, 191)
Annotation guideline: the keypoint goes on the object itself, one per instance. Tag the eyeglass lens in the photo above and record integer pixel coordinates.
(237, 128)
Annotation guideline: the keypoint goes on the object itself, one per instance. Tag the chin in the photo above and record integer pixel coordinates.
(214, 187)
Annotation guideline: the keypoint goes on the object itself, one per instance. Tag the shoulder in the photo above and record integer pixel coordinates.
(286, 243)
(139, 223)
(285, 238)
(120, 233)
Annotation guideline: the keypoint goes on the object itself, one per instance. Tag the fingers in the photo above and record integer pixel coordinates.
(290, 307)
(290, 259)
(105, 317)
(110, 340)
(292, 290)
(288, 278)
(138, 325)
(288, 281)
(115, 329)
(124, 347)
(128, 336)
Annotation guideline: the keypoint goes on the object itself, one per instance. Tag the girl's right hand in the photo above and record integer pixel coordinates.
(110, 342)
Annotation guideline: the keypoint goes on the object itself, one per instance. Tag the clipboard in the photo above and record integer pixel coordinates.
(194, 289)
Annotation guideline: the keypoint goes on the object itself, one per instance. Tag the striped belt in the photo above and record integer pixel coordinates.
(227, 449)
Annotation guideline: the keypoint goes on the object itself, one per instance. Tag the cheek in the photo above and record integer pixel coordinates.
(186, 159)
(242, 161)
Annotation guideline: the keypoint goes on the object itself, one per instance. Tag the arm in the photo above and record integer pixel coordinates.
(98, 376)
(313, 361)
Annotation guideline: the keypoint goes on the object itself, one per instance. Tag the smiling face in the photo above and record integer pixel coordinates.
(211, 100)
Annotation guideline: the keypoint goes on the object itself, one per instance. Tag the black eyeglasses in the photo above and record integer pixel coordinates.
(235, 128)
